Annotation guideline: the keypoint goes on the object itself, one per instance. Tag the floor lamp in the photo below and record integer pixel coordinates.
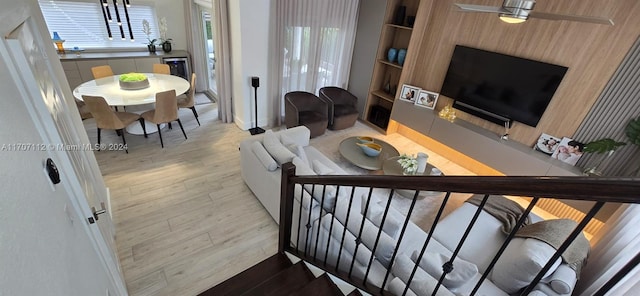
(255, 82)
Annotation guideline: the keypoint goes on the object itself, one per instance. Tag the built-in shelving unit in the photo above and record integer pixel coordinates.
(386, 74)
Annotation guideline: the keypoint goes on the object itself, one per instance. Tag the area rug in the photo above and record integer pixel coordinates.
(425, 209)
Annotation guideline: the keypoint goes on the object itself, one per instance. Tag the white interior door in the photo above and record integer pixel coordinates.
(42, 90)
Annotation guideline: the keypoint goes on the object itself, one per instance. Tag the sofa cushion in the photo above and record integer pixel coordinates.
(264, 157)
(520, 263)
(278, 151)
(396, 287)
(375, 212)
(432, 263)
(320, 168)
(422, 283)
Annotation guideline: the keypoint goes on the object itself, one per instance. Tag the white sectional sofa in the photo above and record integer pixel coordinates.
(327, 223)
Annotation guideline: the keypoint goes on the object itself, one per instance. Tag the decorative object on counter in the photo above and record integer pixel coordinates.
(77, 50)
(166, 42)
(401, 11)
(402, 53)
(370, 149)
(632, 131)
(58, 42)
(447, 113)
(604, 148)
(392, 54)
(133, 81)
(547, 144)
(411, 20)
(427, 99)
(408, 163)
(409, 93)
(151, 43)
(106, 14)
(365, 139)
(387, 85)
(422, 162)
(568, 151)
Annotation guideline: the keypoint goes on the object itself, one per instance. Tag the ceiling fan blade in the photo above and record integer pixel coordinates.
(575, 18)
(480, 8)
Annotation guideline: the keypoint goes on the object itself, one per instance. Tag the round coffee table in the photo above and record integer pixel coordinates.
(391, 167)
(354, 154)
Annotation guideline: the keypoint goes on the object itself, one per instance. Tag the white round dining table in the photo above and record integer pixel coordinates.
(109, 89)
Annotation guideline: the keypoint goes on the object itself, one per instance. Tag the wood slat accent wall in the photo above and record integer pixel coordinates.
(592, 53)
(618, 104)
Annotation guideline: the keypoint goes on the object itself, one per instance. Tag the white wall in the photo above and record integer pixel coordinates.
(173, 10)
(249, 25)
(370, 19)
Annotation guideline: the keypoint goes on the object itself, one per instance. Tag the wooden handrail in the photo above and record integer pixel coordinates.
(597, 189)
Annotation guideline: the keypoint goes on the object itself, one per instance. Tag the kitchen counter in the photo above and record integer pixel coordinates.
(70, 55)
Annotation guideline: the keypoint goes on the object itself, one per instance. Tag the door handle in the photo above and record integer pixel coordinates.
(96, 213)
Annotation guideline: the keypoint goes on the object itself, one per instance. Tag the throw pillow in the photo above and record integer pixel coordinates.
(432, 263)
(299, 151)
(263, 156)
(375, 211)
(280, 153)
(563, 279)
(286, 140)
(520, 263)
(320, 168)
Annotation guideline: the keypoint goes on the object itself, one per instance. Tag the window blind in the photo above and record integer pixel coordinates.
(81, 24)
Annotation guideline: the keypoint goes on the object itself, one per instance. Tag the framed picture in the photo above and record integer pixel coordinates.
(568, 151)
(427, 99)
(547, 144)
(409, 93)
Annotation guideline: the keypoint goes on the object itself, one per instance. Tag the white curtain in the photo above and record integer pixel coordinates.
(313, 46)
(616, 243)
(195, 44)
(223, 60)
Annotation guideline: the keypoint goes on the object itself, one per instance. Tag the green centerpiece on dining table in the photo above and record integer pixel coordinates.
(132, 81)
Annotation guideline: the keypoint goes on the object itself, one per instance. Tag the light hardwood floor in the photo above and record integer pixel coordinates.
(185, 220)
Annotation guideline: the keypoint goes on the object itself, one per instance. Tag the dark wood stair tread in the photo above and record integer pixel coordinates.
(251, 277)
(284, 282)
(355, 293)
(321, 286)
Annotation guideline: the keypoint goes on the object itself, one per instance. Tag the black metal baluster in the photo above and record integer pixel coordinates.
(618, 276)
(448, 266)
(576, 231)
(366, 208)
(375, 244)
(300, 217)
(315, 250)
(309, 225)
(344, 232)
(404, 227)
(427, 240)
(519, 224)
(333, 212)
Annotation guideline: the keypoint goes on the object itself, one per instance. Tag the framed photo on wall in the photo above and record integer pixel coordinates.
(547, 144)
(427, 99)
(409, 93)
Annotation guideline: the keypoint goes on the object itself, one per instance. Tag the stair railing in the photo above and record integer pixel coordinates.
(598, 190)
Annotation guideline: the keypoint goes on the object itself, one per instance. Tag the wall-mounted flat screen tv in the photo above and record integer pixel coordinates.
(500, 88)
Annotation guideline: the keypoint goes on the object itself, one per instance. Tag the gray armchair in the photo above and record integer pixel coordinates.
(304, 108)
(343, 111)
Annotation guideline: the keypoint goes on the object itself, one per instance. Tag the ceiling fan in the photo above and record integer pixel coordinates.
(518, 11)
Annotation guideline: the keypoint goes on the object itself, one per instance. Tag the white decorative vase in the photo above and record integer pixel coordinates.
(422, 162)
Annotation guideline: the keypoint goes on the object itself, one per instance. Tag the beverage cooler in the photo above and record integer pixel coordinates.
(179, 67)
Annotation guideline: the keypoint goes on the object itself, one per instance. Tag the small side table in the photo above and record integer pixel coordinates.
(392, 167)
